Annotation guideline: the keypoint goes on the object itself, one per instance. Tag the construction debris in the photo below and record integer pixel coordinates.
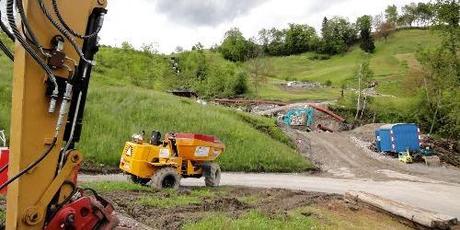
(447, 150)
(417, 215)
(316, 106)
(231, 102)
(301, 85)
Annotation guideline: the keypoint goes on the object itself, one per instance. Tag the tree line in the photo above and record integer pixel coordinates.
(337, 34)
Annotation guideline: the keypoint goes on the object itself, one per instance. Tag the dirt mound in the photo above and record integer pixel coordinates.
(230, 204)
(366, 132)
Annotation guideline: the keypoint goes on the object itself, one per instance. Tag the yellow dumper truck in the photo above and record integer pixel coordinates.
(162, 163)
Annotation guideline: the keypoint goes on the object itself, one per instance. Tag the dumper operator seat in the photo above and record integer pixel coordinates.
(155, 139)
(171, 137)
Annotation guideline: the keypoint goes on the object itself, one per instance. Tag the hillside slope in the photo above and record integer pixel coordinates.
(116, 111)
(114, 114)
(390, 63)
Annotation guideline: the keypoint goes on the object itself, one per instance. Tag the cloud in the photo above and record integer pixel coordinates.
(204, 12)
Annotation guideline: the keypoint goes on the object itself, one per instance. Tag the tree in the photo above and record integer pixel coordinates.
(150, 48)
(391, 14)
(179, 49)
(364, 77)
(337, 36)
(364, 25)
(235, 46)
(409, 15)
(198, 46)
(276, 45)
(259, 68)
(447, 18)
(300, 38)
(438, 103)
(263, 39)
(384, 30)
(424, 13)
(324, 27)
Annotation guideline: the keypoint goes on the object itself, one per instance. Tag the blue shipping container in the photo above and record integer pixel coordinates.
(398, 138)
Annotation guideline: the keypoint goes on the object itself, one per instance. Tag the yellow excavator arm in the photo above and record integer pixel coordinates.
(55, 42)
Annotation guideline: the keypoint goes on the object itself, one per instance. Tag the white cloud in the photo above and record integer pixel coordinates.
(144, 21)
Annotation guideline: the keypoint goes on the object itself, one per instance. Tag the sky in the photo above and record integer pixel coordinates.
(167, 24)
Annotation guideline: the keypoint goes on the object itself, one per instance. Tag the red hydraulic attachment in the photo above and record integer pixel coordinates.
(87, 212)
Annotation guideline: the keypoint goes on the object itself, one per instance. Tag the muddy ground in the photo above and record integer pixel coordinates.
(326, 211)
(236, 201)
(347, 155)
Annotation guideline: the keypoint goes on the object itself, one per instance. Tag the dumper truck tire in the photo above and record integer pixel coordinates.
(166, 177)
(212, 174)
(138, 180)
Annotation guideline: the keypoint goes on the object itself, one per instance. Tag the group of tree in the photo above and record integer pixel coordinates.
(337, 34)
(208, 75)
(438, 107)
(204, 72)
(411, 15)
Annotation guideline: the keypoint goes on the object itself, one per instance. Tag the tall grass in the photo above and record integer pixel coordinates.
(114, 114)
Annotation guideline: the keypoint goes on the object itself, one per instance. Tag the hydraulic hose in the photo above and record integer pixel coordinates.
(62, 21)
(28, 31)
(31, 166)
(63, 31)
(29, 49)
(5, 29)
(6, 51)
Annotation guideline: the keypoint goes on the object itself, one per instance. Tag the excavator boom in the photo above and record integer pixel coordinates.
(55, 42)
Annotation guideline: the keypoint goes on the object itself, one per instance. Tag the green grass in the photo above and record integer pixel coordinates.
(169, 202)
(166, 198)
(254, 220)
(114, 114)
(390, 63)
(308, 217)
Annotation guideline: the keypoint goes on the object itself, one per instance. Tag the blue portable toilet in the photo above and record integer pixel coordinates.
(398, 138)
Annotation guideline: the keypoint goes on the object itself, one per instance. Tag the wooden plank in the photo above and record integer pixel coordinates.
(420, 216)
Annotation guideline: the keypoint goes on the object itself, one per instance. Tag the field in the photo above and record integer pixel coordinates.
(119, 106)
(114, 113)
(239, 208)
(391, 63)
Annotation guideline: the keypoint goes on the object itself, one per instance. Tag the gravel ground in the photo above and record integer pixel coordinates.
(345, 155)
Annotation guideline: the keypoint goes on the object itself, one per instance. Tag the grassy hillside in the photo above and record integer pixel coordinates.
(114, 114)
(117, 108)
(390, 63)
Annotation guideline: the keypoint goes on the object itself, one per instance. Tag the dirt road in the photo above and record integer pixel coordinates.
(436, 196)
(344, 155)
